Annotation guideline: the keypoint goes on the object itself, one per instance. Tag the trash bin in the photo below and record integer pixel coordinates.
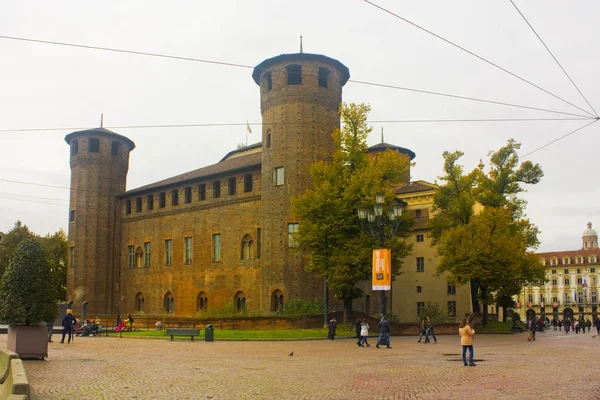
(209, 333)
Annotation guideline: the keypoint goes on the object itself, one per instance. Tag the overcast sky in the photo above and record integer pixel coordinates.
(48, 86)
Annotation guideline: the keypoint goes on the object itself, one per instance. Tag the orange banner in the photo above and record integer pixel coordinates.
(382, 269)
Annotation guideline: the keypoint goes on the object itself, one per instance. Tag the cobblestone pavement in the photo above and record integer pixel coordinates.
(556, 365)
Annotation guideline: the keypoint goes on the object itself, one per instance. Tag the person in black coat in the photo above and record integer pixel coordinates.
(332, 326)
(67, 323)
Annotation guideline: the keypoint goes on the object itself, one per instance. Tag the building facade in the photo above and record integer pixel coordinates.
(571, 288)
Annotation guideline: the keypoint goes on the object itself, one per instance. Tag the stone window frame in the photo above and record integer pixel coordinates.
(276, 300)
(419, 289)
(420, 238)
(420, 307)
(202, 192)
(216, 244)
(216, 185)
(239, 302)
(150, 202)
(231, 186)
(293, 228)
(168, 252)
(114, 148)
(420, 264)
(187, 195)
(138, 204)
(293, 74)
(323, 77)
(139, 302)
(174, 197)
(162, 200)
(279, 176)
(248, 183)
(130, 256)
(451, 289)
(169, 303)
(93, 145)
(452, 308)
(201, 301)
(147, 248)
(188, 250)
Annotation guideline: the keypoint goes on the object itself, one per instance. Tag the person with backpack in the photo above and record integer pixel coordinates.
(384, 333)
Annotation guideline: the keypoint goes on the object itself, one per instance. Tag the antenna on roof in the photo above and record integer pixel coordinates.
(300, 43)
(101, 120)
(382, 135)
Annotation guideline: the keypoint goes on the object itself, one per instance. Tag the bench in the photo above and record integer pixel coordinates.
(5, 357)
(182, 332)
(16, 386)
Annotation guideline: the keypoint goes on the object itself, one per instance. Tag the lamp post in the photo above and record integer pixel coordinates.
(374, 223)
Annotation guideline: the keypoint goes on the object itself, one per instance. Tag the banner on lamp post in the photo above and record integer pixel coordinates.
(382, 269)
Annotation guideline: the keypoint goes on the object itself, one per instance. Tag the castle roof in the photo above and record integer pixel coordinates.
(266, 64)
(416, 186)
(100, 132)
(226, 165)
(380, 147)
(569, 253)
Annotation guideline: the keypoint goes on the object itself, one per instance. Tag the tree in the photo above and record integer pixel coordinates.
(10, 241)
(57, 248)
(329, 232)
(27, 293)
(490, 250)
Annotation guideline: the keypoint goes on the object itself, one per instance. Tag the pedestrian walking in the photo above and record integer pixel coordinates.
(67, 323)
(50, 327)
(384, 333)
(331, 329)
(364, 333)
(421, 330)
(357, 331)
(466, 340)
(588, 324)
(429, 330)
(597, 323)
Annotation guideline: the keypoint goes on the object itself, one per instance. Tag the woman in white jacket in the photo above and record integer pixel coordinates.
(364, 332)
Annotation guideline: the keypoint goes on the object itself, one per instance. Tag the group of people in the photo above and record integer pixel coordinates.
(426, 329)
(124, 325)
(70, 326)
(361, 328)
(575, 325)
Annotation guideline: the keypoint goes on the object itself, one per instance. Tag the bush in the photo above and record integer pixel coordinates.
(433, 310)
(27, 292)
(299, 307)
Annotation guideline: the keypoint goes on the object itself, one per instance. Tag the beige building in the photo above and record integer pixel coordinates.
(418, 283)
(571, 287)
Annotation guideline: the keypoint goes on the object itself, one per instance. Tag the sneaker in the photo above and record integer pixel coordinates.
(377, 345)
(466, 365)
(472, 365)
(61, 341)
(368, 345)
(389, 347)
(418, 341)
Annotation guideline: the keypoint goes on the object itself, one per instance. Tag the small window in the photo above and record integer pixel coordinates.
(216, 189)
(553, 272)
(554, 282)
(566, 271)
(169, 303)
(451, 289)
(240, 302)
(420, 264)
(553, 261)
(138, 204)
(258, 242)
(162, 200)
(593, 270)
(292, 231)
(294, 74)
(93, 145)
(268, 139)
(74, 147)
(567, 282)
(579, 281)
(188, 250)
(71, 256)
(146, 254)
(268, 81)
(247, 248)
(419, 289)
(127, 207)
(420, 238)
(188, 195)
(72, 216)
(150, 202)
(202, 192)
(247, 183)
(420, 307)
(216, 245)
(114, 148)
(201, 302)
(452, 308)
(578, 260)
(168, 252)
(131, 256)
(139, 302)
(231, 186)
(566, 261)
(174, 197)
(530, 298)
(278, 178)
(417, 213)
(323, 76)
(578, 270)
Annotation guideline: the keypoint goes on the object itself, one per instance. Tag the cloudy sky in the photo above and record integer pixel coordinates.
(49, 86)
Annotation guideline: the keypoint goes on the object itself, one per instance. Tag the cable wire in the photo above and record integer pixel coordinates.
(560, 138)
(247, 66)
(33, 197)
(398, 121)
(561, 67)
(474, 55)
(33, 201)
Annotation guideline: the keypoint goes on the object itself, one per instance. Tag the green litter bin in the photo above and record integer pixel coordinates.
(209, 333)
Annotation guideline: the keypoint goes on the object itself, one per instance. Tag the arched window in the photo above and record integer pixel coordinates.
(239, 302)
(247, 248)
(323, 77)
(566, 261)
(139, 257)
(578, 260)
(554, 261)
(201, 302)
(139, 302)
(294, 74)
(276, 300)
(169, 303)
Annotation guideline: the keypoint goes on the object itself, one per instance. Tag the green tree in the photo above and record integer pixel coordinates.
(10, 241)
(490, 250)
(330, 233)
(27, 293)
(57, 248)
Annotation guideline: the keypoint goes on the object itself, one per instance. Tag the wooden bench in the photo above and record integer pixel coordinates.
(182, 332)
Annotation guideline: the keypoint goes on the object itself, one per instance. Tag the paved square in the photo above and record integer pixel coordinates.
(554, 366)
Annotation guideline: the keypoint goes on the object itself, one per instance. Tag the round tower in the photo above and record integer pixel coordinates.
(590, 238)
(99, 163)
(300, 105)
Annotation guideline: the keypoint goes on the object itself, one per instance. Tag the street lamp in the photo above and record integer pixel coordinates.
(374, 224)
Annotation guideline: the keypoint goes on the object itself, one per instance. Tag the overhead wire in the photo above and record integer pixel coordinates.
(555, 59)
(398, 121)
(559, 138)
(34, 197)
(474, 55)
(248, 66)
